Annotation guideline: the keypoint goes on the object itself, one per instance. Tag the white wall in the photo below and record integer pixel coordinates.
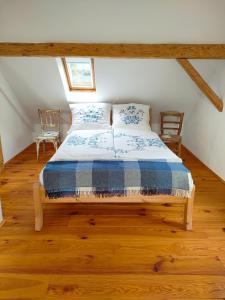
(147, 21)
(204, 133)
(15, 126)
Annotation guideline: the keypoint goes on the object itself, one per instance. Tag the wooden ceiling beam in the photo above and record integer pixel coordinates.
(201, 83)
(193, 51)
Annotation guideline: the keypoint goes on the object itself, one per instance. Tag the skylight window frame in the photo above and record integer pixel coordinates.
(79, 89)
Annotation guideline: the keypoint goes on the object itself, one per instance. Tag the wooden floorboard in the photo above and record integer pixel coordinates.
(105, 252)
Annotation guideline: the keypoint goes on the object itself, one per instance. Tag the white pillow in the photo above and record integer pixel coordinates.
(89, 116)
(131, 116)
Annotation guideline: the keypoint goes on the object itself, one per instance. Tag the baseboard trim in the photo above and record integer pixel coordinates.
(220, 179)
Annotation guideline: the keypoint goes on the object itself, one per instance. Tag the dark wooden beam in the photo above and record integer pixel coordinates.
(200, 82)
(194, 51)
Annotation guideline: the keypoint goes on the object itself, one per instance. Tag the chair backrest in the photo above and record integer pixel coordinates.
(171, 122)
(49, 119)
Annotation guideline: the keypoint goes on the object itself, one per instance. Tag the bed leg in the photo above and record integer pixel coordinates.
(38, 211)
(188, 211)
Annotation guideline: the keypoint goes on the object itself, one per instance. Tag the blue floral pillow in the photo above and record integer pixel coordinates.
(90, 115)
(132, 115)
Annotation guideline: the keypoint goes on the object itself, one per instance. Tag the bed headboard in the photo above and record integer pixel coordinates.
(111, 118)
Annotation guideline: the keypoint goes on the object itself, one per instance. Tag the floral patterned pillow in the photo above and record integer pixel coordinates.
(132, 115)
(90, 116)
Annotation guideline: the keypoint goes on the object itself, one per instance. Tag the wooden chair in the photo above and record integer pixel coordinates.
(50, 128)
(171, 125)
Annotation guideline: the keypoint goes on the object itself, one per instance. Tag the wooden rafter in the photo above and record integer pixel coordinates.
(200, 82)
(195, 51)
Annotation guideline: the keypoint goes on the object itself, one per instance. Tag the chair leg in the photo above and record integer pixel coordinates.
(188, 211)
(37, 149)
(44, 146)
(37, 207)
(179, 149)
(55, 143)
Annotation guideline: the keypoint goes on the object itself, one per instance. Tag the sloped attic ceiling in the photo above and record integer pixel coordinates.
(37, 83)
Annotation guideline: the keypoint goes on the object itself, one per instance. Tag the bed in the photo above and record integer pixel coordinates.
(102, 164)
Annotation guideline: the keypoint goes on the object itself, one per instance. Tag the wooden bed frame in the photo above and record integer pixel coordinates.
(41, 198)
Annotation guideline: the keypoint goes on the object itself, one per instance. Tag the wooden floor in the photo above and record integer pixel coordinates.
(106, 252)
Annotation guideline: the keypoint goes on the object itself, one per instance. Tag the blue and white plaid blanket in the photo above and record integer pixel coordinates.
(116, 178)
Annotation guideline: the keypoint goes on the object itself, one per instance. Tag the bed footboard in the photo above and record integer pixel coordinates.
(40, 198)
(38, 209)
(188, 210)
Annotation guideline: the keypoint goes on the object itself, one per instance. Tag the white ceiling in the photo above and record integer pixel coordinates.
(147, 21)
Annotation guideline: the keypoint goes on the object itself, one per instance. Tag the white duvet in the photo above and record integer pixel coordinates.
(135, 144)
(109, 144)
(86, 144)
